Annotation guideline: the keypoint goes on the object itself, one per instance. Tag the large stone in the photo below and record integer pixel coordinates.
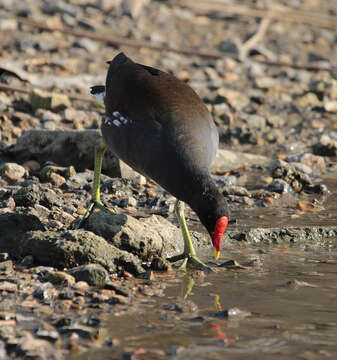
(146, 237)
(45, 145)
(76, 247)
(93, 274)
(13, 228)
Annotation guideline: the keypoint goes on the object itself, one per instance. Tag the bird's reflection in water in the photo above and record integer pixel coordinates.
(187, 285)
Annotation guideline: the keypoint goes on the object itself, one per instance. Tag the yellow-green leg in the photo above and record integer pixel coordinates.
(96, 193)
(189, 254)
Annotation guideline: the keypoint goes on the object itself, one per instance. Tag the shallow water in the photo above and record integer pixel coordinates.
(288, 320)
(290, 294)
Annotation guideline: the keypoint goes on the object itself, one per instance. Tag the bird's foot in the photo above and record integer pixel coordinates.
(192, 260)
(91, 208)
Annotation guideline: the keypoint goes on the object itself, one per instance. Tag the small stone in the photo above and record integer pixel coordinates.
(49, 335)
(256, 121)
(279, 186)
(234, 313)
(73, 115)
(32, 348)
(228, 46)
(6, 266)
(327, 145)
(175, 350)
(12, 171)
(7, 202)
(81, 285)
(309, 159)
(8, 286)
(47, 116)
(46, 100)
(160, 264)
(83, 331)
(8, 24)
(235, 190)
(45, 291)
(57, 179)
(309, 99)
(65, 172)
(330, 106)
(184, 306)
(265, 82)
(89, 45)
(60, 278)
(276, 121)
(93, 274)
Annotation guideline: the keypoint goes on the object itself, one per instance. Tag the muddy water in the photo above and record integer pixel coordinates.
(291, 296)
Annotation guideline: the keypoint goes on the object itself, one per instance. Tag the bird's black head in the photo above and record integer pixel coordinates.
(214, 215)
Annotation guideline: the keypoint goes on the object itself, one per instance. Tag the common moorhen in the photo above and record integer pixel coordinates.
(159, 126)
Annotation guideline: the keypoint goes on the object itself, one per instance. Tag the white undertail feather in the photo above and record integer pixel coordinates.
(99, 97)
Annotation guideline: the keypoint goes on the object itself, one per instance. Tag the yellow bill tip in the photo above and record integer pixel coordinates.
(216, 254)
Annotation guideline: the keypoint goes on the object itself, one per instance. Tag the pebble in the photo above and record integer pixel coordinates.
(12, 171)
(93, 274)
(309, 99)
(8, 286)
(40, 99)
(279, 186)
(45, 292)
(60, 278)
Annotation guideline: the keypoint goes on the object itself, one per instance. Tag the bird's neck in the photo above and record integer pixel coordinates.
(207, 201)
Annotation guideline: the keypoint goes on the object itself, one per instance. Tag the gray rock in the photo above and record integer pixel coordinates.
(60, 278)
(293, 176)
(235, 190)
(73, 115)
(12, 171)
(82, 330)
(279, 186)
(45, 145)
(49, 335)
(256, 121)
(317, 235)
(309, 99)
(146, 237)
(13, 228)
(45, 291)
(330, 105)
(75, 247)
(313, 161)
(229, 46)
(93, 274)
(89, 45)
(34, 194)
(6, 266)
